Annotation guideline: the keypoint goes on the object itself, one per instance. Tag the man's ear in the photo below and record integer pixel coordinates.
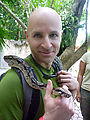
(26, 33)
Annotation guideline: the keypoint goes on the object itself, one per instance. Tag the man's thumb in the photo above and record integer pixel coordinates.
(49, 88)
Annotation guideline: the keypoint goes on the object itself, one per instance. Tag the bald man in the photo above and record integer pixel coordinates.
(43, 34)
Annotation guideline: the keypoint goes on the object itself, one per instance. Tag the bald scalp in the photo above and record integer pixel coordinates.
(43, 14)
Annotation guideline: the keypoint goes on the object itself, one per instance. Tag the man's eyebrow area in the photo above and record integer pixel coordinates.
(55, 32)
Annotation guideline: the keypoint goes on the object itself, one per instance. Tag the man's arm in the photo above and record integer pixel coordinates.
(80, 79)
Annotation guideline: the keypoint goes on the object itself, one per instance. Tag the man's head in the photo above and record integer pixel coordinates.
(44, 35)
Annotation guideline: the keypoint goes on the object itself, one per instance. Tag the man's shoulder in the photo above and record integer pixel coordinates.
(86, 57)
(10, 73)
(86, 54)
(10, 77)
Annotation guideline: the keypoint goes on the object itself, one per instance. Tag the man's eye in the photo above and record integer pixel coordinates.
(53, 35)
(37, 35)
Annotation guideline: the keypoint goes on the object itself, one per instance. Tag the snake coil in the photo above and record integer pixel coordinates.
(30, 77)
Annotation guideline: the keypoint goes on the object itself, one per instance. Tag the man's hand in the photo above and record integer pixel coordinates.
(59, 108)
(78, 97)
(66, 78)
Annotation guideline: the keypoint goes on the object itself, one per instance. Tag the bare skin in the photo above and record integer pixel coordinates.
(58, 108)
(66, 78)
(80, 79)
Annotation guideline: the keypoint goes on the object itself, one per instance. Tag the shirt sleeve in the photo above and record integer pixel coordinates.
(84, 58)
(11, 97)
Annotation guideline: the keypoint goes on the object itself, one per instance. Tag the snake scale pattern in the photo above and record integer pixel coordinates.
(30, 77)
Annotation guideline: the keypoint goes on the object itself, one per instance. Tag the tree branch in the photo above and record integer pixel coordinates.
(76, 55)
(52, 3)
(13, 15)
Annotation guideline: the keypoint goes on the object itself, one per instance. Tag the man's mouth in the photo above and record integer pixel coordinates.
(45, 53)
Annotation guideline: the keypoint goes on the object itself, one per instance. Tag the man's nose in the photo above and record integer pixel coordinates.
(46, 42)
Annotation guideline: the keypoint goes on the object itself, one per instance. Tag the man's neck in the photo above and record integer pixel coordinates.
(45, 65)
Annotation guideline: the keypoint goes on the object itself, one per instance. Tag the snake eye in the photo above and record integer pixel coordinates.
(7, 57)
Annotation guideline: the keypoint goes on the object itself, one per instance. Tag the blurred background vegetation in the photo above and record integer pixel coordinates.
(11, 29)
(72, 13)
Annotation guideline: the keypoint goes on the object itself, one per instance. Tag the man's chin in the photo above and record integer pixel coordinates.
(48, 60)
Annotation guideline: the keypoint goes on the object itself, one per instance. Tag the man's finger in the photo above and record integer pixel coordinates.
(49, 88)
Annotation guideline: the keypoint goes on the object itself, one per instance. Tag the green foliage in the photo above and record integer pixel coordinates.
(3, 35)
(23, 8)
(9, 23)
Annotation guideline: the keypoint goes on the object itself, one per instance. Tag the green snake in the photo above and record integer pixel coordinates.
(29, 74)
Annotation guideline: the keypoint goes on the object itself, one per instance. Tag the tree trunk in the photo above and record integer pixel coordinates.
(70, 56)
(77, 7)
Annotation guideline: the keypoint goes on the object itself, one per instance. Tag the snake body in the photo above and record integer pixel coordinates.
(30, 77)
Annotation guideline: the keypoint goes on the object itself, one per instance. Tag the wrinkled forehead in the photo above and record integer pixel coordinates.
(44, 17)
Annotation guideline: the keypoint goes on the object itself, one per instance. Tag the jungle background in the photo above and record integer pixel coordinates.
(75, 14)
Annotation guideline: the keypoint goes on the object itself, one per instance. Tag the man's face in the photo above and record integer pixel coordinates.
(44, 38)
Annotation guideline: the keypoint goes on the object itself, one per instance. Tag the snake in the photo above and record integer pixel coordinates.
(30, 77)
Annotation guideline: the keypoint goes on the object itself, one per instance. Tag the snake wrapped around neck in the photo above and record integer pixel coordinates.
(30, 77)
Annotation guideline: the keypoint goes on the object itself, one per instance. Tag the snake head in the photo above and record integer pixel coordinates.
(9, 59)
(62, 92)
